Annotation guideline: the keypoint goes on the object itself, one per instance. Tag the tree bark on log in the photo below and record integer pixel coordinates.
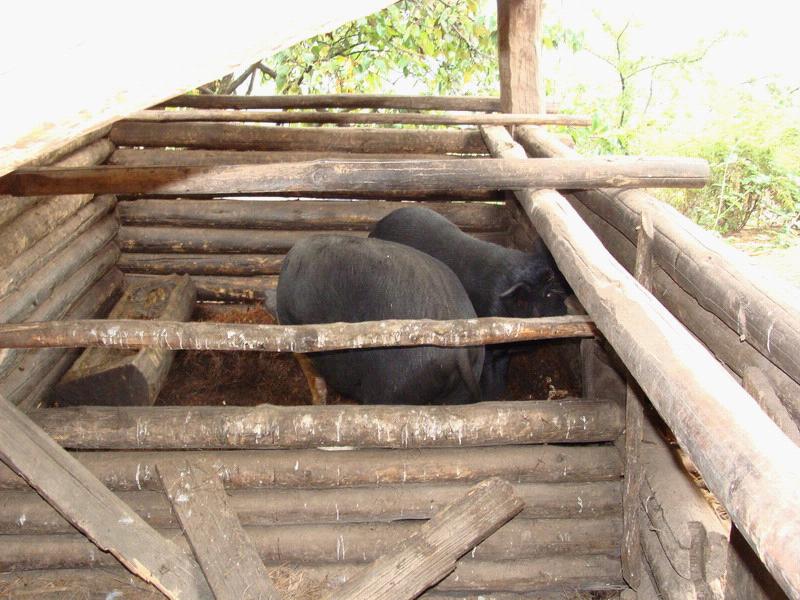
(334, 543)
(136, 470)
(25, 513)
(267, 426)
(290, 338)
(234, 136)
(350, 118)
(32, 376)
(747, 462)
(122, 377)
(344, 177)
(19, 270)
(318, 101)
(757, 310)
(241, 265)
(429, 555)
(93, 509)
(298, 214)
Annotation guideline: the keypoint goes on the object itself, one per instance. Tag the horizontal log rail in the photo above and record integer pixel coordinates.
(267, 426)
(130, 333)
(746, 461)
(354, 176)
(289, 101)
(406, 118)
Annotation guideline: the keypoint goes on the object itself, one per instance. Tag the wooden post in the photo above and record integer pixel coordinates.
(227, 556)
(519, 37)
(634, 416)
(431, 554)
(747, 462)
(123, 377)
(77, 494)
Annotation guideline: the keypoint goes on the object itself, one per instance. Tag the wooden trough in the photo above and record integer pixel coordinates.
(668, 472)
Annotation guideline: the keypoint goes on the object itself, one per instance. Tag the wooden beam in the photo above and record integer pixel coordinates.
(431, 554)
(235, 136)
(289, 338)
(760, 388)
(77, 494)
(102, 88)
(519, 38)
(25, 513)
(318, 101)
(122, 377)
(349, 118)
(222, 288)
(355, 176)
(299, 214)
(267, 426)
(313, 469)
(227, 556)
(719, 278)
(745, 460)
(201, 264)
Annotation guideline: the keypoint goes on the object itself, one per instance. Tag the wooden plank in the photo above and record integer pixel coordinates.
(34, 373)
(24, 512)
(267, 426)
(760, 388)
(136, 470)
(350, 118)
(519, 38)
(322, 543)
(124, 377)
(354, 176)
(77, 494)
(138, 77)
(431, 554)
(21, 268)
(299, 214)
(290, 338)
(227, 556)
(201, 264)
(761, 312)
(235, 136)
(744, 458)
(222, 288)
(289, 101)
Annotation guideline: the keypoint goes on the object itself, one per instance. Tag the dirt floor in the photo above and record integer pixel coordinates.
(538, 371)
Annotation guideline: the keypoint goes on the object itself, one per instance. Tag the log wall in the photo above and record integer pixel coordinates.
(57, 260)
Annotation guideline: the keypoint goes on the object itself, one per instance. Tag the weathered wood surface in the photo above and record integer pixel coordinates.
(53, 301)
(429, 555)
(24, 265)
(201, 264)
(348, 118)
(93, 509)
(234, 136)
(747, 462)
(267, 426)
(519, 38)
(102, 88)
(761, 313)
(531, 579)
(329, 543)
(136, 470)
(156, 157)
(125, 377)
(33, 374)
(290, 101)
(289, 338)
(222, 288)
(760, 388)
(226, 554)
(24, 512)
(231, 241)
(343, 176)
(299, 214)
(714, 333)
